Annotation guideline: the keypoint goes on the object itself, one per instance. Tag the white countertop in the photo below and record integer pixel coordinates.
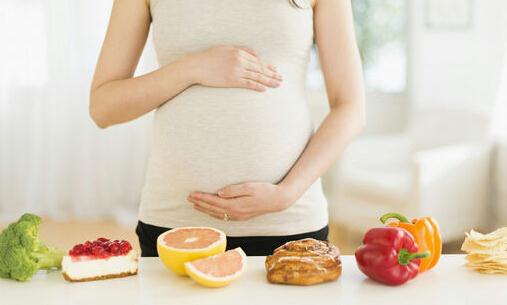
(449, 283)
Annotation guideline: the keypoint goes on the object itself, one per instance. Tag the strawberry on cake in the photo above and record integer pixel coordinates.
(99, 260)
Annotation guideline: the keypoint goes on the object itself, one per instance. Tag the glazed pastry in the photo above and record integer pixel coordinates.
(304, 262)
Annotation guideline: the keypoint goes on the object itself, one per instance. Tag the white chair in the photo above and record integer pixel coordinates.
(500, 160)
(439, 167)
(500, 183)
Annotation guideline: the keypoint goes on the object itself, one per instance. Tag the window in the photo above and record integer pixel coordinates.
(381, 31)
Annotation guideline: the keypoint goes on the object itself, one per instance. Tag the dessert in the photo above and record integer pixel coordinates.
(99, 260)
(180, 245)
(304, 262)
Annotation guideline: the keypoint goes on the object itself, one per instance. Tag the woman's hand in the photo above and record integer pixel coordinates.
(227, 66)
(243, 201)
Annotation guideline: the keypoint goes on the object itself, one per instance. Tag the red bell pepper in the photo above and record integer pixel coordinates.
(389, 255)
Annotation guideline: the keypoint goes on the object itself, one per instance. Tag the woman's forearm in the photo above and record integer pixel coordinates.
(337, 130)
(341, 67)
(122, 100)
(119, 101)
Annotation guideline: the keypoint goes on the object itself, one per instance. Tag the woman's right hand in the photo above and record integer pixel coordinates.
(228, 66)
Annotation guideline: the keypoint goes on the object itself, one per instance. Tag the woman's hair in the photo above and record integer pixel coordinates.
(300, 3)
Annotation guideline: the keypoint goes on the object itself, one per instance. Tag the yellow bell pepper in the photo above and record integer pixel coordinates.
(426, 233)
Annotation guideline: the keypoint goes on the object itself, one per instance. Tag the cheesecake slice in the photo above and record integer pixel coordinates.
(99, 260)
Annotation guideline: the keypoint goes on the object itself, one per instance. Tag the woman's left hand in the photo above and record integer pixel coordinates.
(242, 201)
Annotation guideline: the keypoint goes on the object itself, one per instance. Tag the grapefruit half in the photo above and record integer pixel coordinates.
(218, 270)
(180, 245)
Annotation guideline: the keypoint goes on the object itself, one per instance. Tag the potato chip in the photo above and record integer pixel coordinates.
(478, 258)
(499, 233)
(490, 271)
(487, 253)
(496, 238)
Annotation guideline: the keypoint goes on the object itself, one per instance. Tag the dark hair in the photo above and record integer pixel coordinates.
(300, 3)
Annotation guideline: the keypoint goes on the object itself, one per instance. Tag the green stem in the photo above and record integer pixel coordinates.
(50, 259)
(398, 216)
(404, 257)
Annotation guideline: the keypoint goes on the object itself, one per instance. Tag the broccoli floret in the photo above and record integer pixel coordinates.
(22, 254)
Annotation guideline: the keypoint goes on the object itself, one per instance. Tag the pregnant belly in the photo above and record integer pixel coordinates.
(207, 138)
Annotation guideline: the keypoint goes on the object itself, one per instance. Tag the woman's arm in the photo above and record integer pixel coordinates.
(341, 66)
(116, 96)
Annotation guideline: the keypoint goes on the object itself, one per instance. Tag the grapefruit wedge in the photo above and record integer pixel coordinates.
(180, 245)
(218, 270)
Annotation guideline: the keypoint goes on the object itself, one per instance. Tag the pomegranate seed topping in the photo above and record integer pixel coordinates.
(97, 250)
(115, 249)
(101, 248)
(125, 248)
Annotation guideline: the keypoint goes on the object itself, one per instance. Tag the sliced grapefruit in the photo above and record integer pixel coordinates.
(180, 245)
(218, 270)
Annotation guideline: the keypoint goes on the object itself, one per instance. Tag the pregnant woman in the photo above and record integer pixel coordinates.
(233, 144)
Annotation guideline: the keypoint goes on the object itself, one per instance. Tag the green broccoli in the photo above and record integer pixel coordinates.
(22, 254)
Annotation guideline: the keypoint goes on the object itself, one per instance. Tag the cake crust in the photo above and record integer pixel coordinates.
(98, 278)
(304, 262)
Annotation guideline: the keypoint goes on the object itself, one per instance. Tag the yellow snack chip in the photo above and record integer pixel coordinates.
(487, 253)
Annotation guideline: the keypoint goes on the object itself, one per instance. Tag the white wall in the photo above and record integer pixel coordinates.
(449, 68)
(457, 67)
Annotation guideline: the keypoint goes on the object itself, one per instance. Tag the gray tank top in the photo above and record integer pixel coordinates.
(207, 138)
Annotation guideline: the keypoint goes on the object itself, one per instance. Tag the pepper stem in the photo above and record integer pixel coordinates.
(404, 257)
(398, 216)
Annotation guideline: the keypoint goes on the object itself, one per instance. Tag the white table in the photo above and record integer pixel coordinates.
(449, 283)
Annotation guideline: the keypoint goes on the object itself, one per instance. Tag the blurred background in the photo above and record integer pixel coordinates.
(435, 142)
